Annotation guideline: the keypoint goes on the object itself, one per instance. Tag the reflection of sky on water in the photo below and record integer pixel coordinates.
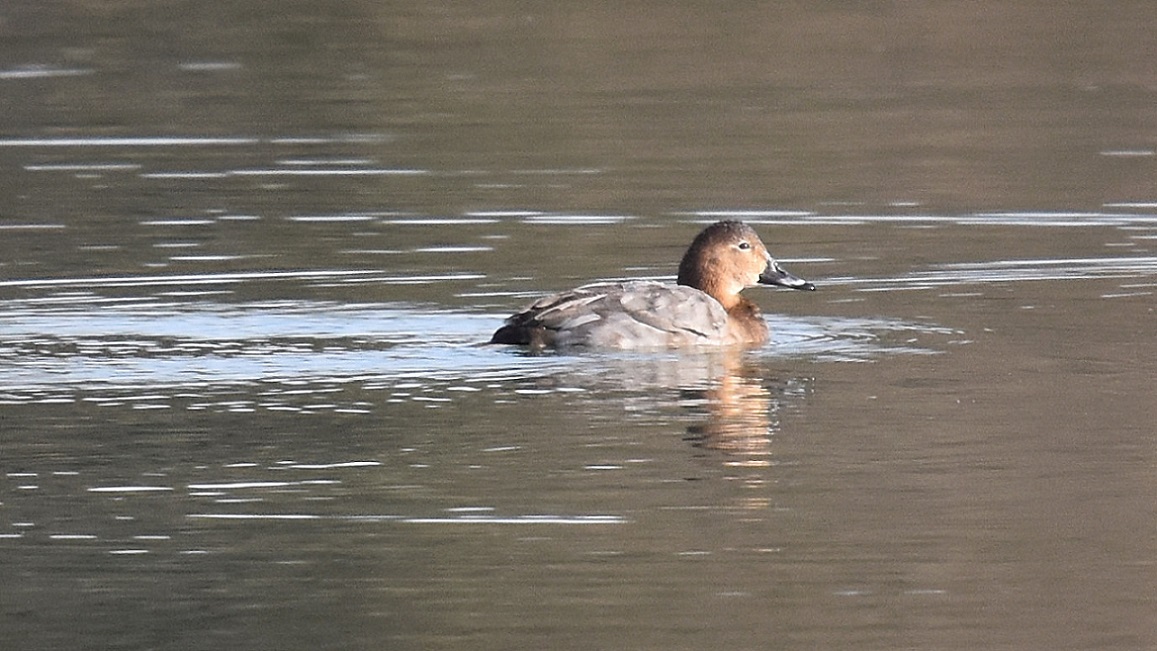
(1005, 271)
(55, 352)
(212, 346)
(1119, 216)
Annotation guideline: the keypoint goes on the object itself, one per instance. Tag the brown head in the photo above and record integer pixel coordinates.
(728, 256)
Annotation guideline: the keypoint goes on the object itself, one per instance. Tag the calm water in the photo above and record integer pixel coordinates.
(250, 255)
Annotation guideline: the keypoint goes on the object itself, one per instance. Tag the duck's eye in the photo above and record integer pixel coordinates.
(743, 246)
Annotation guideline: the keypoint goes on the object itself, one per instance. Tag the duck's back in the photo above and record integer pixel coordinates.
(639, 314)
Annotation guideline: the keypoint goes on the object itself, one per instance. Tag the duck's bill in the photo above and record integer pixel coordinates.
(777, 275)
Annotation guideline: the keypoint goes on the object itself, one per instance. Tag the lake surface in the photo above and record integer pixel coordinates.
(251, 254)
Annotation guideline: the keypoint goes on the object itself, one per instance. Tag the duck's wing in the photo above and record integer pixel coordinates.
(674, 309)
(538, 324)
(638, 314)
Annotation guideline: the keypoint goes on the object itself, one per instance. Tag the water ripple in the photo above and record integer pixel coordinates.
(1026, 218)
(1005, 271)
(290, 356)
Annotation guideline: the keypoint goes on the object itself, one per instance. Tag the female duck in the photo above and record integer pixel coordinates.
(703, 309)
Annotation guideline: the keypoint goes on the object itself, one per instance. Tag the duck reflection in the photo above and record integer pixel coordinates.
(735, 403)
(740, 409)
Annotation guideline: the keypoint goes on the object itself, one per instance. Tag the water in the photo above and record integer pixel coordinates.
(250, 256)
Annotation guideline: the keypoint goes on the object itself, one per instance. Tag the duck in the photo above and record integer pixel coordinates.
(703, 308)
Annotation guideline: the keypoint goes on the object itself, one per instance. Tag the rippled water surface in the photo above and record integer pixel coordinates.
(251, 255)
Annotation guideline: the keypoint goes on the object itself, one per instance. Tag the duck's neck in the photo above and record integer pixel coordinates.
(701, 276)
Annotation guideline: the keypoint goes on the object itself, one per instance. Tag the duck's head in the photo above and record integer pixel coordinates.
(728, 256)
